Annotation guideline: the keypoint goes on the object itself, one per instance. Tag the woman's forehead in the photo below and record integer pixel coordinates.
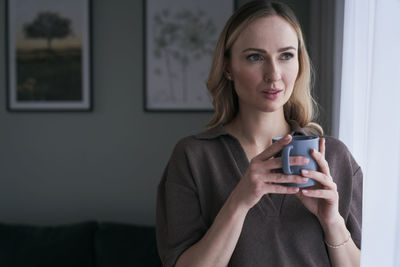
(272, 32)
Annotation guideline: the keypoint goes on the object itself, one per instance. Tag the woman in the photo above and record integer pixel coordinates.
(220, 201)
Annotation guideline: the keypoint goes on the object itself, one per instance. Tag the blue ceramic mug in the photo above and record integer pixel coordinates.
(299, 146)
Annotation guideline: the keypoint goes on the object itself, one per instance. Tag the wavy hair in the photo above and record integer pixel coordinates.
(300, 107)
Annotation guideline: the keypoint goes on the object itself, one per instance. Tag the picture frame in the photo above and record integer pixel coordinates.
(48, 55)
(179, 40)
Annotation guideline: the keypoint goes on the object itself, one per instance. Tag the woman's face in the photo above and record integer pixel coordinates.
(264, 64)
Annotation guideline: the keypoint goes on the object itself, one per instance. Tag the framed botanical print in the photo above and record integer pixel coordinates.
(180, 36)
(48, 50)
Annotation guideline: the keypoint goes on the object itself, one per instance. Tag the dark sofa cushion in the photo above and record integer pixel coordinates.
(126, 245)
(61, 246)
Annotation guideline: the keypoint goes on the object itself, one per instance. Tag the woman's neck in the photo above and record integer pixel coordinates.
(258, 130)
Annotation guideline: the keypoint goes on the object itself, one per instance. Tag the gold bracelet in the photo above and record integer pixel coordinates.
(341, 244)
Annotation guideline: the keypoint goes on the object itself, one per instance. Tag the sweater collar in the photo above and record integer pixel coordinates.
(220, 131)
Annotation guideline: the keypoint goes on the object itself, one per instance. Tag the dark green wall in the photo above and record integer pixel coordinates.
(104, 164)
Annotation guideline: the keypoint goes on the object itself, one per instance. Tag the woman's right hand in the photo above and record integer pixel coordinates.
(261, 178)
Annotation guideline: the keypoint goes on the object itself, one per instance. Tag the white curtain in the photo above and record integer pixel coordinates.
(369, 122)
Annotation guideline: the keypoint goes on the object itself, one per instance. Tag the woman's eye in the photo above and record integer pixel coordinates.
(287, 56)
(254, 57)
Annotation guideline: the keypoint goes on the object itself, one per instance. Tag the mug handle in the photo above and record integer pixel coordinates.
(285, 159)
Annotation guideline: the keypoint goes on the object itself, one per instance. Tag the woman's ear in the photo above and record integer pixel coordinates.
(227, 70)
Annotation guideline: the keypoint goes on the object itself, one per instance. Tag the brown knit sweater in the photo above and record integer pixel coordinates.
(278, 231)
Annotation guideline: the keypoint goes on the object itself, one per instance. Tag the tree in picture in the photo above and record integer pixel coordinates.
(49, 26)
(48, 70)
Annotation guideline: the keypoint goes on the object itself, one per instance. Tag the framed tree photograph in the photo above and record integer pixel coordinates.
(48, 50)
(180, 37)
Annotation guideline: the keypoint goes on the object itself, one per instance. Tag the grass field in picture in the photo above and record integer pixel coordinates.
(49, 75)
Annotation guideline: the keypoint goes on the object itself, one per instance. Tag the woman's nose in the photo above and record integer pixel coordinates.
(271, 72)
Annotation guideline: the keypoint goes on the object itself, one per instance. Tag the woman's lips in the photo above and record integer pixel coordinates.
(271, 93)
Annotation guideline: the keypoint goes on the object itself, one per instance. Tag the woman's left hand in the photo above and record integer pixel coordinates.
(323, 199)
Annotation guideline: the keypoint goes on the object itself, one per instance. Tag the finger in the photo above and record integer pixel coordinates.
(284, 178)
(320, 177)
(280, 189)
(320, 159)
(273, 149)
(300, 195)
(276, 163)
(320, 193)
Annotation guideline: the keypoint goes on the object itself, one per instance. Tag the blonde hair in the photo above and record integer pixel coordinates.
(301, 106)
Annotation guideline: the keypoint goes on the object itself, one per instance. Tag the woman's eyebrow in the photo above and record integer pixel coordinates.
(263, 51)
(254, 49)
(287, 48)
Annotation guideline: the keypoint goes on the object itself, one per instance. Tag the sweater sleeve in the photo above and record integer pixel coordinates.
(354, 219)
(179, 221)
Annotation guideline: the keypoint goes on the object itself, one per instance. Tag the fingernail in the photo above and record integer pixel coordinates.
(304, 191)
(304, 179)
(304, 171)
(287, 137)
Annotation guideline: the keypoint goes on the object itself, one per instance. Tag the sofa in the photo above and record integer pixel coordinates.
(86, 244)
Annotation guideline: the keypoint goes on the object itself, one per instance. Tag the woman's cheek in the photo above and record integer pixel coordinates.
(246, 78)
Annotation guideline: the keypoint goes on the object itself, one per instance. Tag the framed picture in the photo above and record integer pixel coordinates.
(180, 37)
(48, 49)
